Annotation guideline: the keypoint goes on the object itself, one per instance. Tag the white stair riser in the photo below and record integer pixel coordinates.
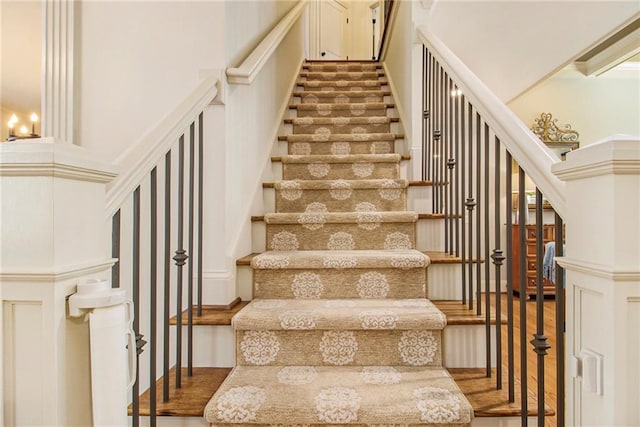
(430, 235)
(244, 282)
(419, 199)
(502, 422)
(174, 422)
(213, 346)
(445, 281)
(464, 346)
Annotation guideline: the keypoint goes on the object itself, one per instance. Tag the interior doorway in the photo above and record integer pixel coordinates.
(345, 29)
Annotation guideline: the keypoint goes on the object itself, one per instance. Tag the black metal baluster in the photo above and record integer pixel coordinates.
(539, 341)
(425, 110)
(180, 259)
(115, 249)
(457, 175)
(509, 247)
(192, 145)
(463, 215)
(200, 205)
(167, 277)
(445, 140)
(470, 203)
(451, 164)
(436, 141)
(487, 293)
(441, 142)
(560, 319)
(478, 210)
(135, 281)
(498, 259)
(522, 214)
(153, 295)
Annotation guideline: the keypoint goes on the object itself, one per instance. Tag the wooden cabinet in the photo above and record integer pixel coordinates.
(548, 234)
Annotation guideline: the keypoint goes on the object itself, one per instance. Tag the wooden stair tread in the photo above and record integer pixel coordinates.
(486, 400)
(445, 258)
(212, 315)
(277, 159)
(246, 260)
(393, 120)
(459, 314)
(386, 104)
(187, 401)
(396, 136)
(420, 183)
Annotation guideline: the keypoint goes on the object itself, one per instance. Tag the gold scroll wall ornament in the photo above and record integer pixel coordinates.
(546, 128)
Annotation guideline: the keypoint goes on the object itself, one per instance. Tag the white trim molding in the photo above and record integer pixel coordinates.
(249, 69)
(615, 155)
(45, 157)
(60, 274)
(602, 271)
(57, 69)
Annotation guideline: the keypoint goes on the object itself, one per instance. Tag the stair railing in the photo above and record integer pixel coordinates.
(160, 194)
(470, 143)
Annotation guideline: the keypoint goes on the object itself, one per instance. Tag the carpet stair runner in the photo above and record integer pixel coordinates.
(340, 330)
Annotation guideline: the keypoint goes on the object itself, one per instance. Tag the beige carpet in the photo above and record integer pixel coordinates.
(340, 331)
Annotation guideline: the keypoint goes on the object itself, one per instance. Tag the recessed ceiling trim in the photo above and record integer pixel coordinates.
(611, 52)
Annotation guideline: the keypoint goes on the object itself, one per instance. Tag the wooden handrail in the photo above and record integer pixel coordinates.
(530, 153)
(247, 72)
(137, 161)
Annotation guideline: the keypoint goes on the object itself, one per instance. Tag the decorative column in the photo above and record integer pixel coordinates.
(52, 237)
(57, 69)
(602, 264)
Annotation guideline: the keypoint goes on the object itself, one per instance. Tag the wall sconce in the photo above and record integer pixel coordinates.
(24, 131)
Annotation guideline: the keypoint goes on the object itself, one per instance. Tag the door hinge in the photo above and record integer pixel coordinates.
(347, 20)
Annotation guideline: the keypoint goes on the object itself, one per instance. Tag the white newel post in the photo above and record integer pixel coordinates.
(603, 282)
(51, 238)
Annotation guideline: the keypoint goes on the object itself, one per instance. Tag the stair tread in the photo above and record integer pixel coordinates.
(189, 400)
(347, 158)
(212, 315)
(343, 106)
(340, 314)
(340, 217)
(349, 93)
(317, 259)
(294, 395)
(459, 314)
(340, 137)
(446, 258)
(351, 75)
(486, 400)
(305, 121)
(319, 184)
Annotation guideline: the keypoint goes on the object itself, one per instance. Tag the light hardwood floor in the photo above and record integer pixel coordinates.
(531, 366)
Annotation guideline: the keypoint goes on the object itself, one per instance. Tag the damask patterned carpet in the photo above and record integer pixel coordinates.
(340, 331)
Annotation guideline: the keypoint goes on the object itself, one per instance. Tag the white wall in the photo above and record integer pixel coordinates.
(136, 61)
(20, 61)
(497, 38)
(254, 113)
(398, 62)
(596, 107)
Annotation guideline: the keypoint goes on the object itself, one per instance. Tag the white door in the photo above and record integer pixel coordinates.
(333, 30)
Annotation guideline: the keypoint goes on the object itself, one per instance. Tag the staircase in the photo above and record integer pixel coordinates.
(340, 330)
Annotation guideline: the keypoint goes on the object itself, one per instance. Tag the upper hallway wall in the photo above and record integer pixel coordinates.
(596, 107)
(248, 22)
(512, 45)
(135, 61)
